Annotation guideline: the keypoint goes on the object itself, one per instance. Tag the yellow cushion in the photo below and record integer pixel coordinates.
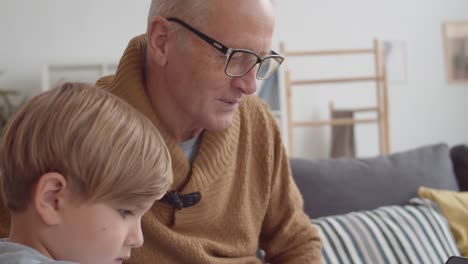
(454, 206)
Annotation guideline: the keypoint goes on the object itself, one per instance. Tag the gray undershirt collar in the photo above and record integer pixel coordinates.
(190, 147)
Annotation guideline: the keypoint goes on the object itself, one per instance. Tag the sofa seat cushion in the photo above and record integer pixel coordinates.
(413, 233)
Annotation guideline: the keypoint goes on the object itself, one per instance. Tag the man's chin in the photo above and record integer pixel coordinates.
(220, 124)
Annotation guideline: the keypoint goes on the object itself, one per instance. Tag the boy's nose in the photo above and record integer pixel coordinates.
(135, 237)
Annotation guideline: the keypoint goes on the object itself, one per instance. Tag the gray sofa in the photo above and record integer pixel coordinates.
(337, 186)
(380, 189)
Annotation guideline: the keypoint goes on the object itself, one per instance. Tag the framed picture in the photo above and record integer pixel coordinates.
(456, 51)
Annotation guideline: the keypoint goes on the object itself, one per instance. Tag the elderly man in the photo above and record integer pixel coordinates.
(193, 74)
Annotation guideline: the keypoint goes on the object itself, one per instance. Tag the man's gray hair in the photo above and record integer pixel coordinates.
(191, 11)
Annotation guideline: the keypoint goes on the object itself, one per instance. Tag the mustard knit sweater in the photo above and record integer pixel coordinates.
(249, 198)
(242, 173)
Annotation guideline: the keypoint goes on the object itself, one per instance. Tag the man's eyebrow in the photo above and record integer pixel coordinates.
(264, 53)
(261, 54)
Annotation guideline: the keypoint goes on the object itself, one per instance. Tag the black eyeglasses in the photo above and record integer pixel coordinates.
(239, 61)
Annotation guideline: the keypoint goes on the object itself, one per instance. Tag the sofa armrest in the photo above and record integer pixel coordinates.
(459, 155)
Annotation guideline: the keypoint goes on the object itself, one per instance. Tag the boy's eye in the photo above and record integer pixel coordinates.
(124, 213)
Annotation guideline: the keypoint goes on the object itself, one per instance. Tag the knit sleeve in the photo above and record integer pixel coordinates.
(287, 236)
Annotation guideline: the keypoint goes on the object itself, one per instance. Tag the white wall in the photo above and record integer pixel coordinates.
(34, 33)
(423, 110)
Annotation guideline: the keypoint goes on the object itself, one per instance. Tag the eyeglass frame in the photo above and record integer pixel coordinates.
(228, 51)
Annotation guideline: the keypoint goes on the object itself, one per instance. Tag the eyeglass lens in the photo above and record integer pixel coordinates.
(242, 62)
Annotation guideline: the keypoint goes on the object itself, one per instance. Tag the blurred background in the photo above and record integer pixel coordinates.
(44, 41)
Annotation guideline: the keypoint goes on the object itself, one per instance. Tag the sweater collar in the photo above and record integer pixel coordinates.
(217, 148)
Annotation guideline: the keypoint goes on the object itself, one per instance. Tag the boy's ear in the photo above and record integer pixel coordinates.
(49, 197)
(158, 36)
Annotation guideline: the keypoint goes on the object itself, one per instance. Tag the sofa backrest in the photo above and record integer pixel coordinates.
(337, 186)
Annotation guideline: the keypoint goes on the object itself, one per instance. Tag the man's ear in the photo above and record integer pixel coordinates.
(158, 36)
(50, 196)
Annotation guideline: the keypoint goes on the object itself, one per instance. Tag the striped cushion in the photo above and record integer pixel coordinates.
(414, 233)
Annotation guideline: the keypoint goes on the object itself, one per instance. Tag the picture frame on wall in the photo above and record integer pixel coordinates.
(456, 51)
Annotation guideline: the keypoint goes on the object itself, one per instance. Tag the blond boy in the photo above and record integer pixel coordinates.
(79, 168)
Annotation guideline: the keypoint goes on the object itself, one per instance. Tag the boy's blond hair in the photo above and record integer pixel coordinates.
(105, 149)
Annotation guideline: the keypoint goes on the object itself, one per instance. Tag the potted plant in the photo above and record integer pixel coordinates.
(7, 108)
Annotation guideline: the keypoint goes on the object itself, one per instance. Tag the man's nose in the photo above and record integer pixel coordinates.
(248, 82)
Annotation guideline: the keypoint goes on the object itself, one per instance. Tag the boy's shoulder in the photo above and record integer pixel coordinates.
(13, 253)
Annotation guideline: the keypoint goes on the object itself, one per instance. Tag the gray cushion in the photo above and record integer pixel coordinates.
(337, 186)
